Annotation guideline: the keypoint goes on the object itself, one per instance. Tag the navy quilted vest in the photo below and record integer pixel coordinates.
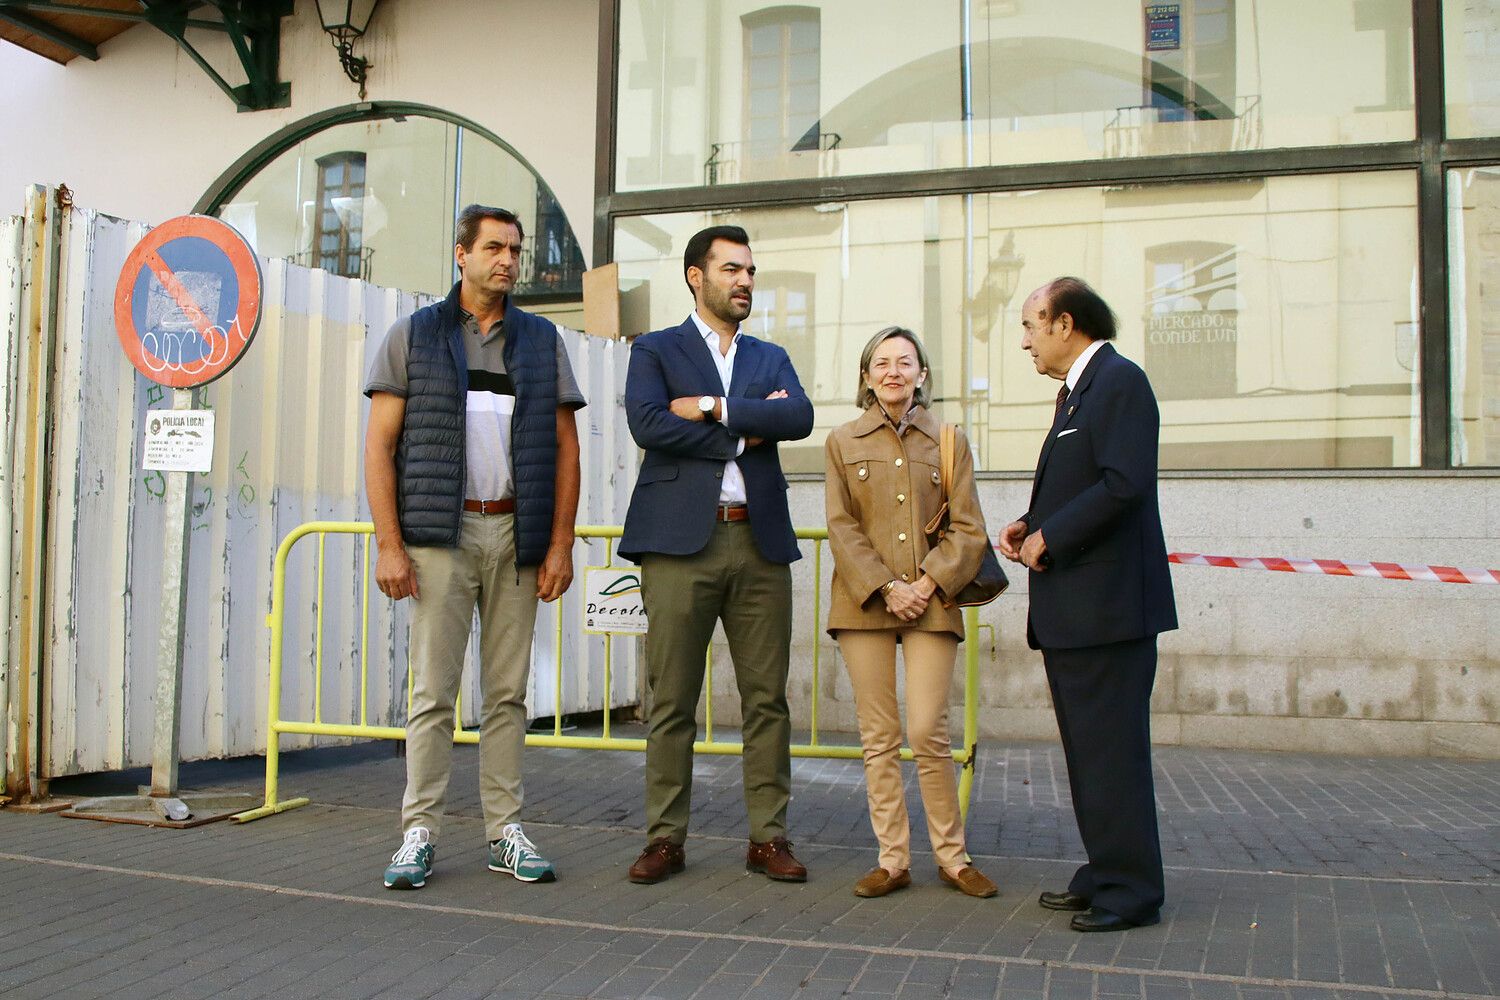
(430, 458)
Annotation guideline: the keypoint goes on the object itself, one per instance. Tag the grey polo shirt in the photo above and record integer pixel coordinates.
(492, 399)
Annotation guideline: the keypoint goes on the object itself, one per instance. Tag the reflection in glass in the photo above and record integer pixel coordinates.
(738, 91)
(377, 200)
(1275, 317)
(1471, 67)
(1473, 231)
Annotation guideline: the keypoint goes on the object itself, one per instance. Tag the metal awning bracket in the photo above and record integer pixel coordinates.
(252, 26)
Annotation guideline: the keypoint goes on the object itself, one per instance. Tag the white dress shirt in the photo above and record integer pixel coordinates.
(732, 488)
(1076, 372)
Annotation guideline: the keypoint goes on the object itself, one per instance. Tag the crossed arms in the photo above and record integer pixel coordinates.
(660, 420)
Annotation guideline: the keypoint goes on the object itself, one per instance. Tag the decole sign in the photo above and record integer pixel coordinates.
(612, 600)
(188, 301)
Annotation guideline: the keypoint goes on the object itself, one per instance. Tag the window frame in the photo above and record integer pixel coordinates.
(1430, 153)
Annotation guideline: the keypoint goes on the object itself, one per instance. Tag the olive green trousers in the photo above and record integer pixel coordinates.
(684, 596)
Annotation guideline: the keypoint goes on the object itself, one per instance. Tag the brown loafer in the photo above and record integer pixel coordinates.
(775, 860)
(660, 859)
(971, 882)
(880, 882)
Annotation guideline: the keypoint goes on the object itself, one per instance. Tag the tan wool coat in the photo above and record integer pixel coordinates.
(881, 490)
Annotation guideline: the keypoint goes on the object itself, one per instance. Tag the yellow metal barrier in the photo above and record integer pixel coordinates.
(276, 726)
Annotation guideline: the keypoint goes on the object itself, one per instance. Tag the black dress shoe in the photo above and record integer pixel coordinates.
(1102, 920)
(1063, 901)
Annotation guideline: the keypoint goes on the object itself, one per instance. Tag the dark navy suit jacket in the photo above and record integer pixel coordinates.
(1094, 500)
(672, 508)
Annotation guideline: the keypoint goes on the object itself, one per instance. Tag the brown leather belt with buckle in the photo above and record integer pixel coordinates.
(731, 512)
(490, 506)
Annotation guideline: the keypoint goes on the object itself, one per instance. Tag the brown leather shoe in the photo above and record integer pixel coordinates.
(971, 882)
(660, 859)
(775, 860)
(880, 882)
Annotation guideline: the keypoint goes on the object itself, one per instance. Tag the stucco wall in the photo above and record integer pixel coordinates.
(1272, 661)
(143, 133)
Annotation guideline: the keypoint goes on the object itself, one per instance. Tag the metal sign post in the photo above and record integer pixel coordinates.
(179, 502)
(187, 306)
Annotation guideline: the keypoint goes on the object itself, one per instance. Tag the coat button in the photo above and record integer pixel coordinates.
(936, 479)
(901, 498)
(898, 463)
(901, 537)
(903, 576)
(863, 472)
(718, 475)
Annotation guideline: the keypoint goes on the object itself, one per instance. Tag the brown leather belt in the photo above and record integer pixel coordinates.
(490, 506)
(731, 512)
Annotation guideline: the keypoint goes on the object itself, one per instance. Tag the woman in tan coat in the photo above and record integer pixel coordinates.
(889, 584)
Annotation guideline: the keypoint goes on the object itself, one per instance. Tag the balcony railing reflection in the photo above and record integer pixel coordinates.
(560, 274)
(762, 159)
(1143, 130)
(339, 262)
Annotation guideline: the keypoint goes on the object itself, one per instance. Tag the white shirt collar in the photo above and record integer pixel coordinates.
(707, 332)
(1076, 372)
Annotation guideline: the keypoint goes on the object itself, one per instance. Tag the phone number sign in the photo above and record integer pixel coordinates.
(188, 301)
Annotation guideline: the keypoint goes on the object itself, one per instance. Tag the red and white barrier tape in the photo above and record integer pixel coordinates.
(1334, 567)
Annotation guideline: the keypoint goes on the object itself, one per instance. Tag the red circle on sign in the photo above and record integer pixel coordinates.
(162, 355)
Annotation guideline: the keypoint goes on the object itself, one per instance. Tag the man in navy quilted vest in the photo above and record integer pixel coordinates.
(471, 466)
(708, 523)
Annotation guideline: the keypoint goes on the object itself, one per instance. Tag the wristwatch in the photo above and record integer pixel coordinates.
(706, 406)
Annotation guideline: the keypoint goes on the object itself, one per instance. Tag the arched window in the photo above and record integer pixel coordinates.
(373, 193)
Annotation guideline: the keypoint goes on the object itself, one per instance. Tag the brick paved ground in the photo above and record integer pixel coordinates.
(1288, 876)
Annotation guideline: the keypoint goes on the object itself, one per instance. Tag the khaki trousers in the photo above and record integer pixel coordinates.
(479, 572)
(870, 656)
(684, 596)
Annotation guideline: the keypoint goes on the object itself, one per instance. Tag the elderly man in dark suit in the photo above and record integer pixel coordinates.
(1101, 592)
(708, 523)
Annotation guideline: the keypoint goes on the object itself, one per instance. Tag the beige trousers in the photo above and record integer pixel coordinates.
(870, 656)
(480, 572)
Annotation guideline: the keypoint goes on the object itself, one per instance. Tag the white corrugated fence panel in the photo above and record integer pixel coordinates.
(10, 315)
(289, 432)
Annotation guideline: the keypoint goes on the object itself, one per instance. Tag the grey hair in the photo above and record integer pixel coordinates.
(865, 397)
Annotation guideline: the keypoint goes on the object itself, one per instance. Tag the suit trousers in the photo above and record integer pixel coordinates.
(480, 571)
(870, 656)
(1102, 697)
(684, 596)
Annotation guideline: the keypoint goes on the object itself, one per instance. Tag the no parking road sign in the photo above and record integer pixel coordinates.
(188, 301)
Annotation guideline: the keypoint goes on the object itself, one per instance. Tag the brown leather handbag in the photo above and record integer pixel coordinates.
(990, 582)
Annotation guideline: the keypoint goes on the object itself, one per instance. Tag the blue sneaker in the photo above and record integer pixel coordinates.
(411, 865)
(516, 855)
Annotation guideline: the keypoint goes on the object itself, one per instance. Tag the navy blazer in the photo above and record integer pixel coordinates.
(1094, 500)
(672, 508)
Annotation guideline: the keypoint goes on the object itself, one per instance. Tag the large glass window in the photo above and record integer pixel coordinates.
(378, 200)
(746, 90)
(1277, 318)
(1471, 67)
(1473, 266)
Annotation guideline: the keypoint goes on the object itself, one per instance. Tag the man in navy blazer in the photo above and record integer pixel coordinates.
(708, 522)
(1101, 592)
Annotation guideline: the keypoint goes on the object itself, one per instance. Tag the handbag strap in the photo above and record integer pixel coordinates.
(945, 464)
(945, 458)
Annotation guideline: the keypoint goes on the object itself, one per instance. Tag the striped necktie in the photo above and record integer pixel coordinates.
(1062, 397)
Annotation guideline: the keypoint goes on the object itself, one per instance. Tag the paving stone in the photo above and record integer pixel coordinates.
(1323, 872)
